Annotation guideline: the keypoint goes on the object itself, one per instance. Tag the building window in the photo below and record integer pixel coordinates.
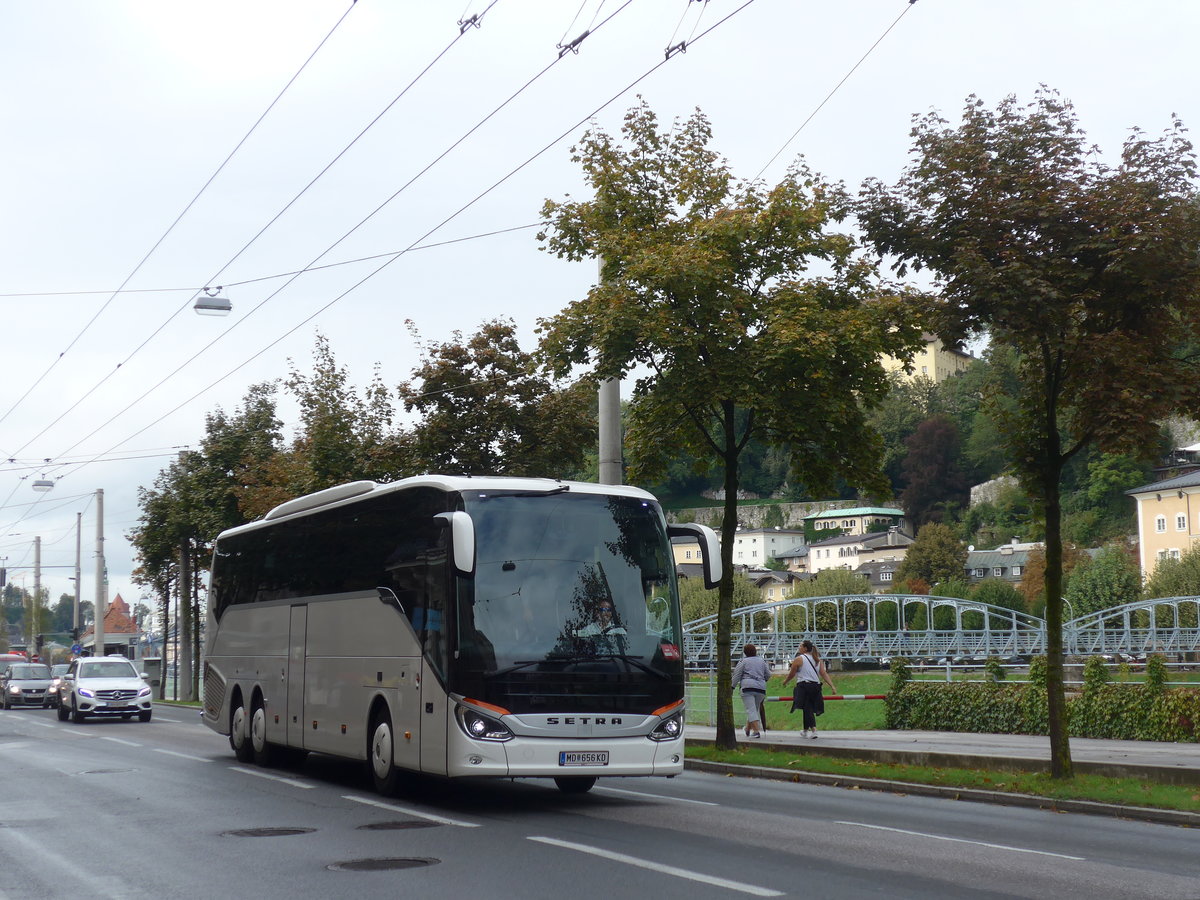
(1162, 554)
(1016, 570)
(1174, 554)
(885, 576)
(998, 571)
(740, 554)
(687, 554)
(1181, 523)
(1160, 524)
(979, 573)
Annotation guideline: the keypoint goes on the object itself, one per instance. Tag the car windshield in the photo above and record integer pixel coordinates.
(29, 671)
(107, 668)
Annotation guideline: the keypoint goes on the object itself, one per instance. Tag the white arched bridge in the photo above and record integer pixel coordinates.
(878, 626)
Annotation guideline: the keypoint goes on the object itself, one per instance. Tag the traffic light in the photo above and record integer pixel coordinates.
(41, 642)
(3, 578)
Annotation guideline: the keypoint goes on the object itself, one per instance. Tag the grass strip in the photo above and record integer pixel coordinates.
(1097, 788)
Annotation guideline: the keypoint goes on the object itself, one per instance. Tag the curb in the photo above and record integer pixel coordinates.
(974, 795)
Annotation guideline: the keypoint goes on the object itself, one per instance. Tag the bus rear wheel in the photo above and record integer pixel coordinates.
(384, 773)
(239, 739)
(575, 784)
(263, 749)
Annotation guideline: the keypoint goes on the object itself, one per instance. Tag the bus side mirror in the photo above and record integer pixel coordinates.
(710, 549)
(462, 541)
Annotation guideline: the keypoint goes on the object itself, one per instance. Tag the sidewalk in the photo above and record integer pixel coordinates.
(1170, 763)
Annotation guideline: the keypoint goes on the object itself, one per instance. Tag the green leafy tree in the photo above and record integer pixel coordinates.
(933, 477)
(1090, 273)
(703, 292)
(1176, 577)
(935, 555)
(1111, 579)
(998, 592)
(487, 410)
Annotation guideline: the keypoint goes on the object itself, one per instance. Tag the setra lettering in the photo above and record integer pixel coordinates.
(583, 720)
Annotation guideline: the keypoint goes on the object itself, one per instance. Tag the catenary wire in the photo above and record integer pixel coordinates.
(391, 257)
(431, 231)
(909, 4)
(178, 218)
(216, 276)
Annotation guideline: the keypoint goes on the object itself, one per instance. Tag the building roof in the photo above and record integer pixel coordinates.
(1191, 479)
(117, 619)
(856, 511)
(872, 540)
(795, 552)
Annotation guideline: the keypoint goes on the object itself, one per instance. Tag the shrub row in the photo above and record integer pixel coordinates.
(1146, 712)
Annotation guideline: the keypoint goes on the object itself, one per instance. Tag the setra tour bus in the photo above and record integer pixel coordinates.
(455, 626)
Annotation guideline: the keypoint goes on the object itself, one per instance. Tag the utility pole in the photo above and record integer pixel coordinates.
(609, 421)
(35, 619)
(183, 621)
(78, 574)
(98, 645)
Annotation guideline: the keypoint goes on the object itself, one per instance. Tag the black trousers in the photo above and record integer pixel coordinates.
(807, 697)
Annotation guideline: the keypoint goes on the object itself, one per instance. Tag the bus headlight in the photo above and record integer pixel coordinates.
(480, 726)
(668, 729)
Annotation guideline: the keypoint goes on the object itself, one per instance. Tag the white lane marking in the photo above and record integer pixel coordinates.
(657, 866)
(172, 721)
(120, 741)
(613, 790)
(181, 755)
(395, 807)
(942, 837)
(292, 782)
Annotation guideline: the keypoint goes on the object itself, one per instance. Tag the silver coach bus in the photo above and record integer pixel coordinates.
(454, 626)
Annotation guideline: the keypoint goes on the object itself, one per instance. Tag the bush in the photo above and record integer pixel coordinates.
(995, 669)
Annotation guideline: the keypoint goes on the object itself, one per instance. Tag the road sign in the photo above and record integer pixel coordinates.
(76, 649)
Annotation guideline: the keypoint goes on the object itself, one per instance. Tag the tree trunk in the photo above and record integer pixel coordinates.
(184, 670)
(725, 728)
(1056, 701)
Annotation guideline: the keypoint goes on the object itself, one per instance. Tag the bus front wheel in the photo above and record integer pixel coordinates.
(239, 739)
(575, 784)
(383, 768)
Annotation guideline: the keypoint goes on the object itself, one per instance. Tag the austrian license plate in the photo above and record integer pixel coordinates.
(583, 758)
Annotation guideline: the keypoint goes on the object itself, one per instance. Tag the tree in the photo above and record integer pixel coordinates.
(933, 478)
(1089, 273)
(702, 292)
(1111, 579)
(488, 410)
(935, 555)
(1033, 577)
(1176, 577)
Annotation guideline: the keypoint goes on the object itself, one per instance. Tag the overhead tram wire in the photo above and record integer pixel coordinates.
(178, 218)
(909, 4)
(667, 57)
(463, 28)
(261, 278)
(392, 257)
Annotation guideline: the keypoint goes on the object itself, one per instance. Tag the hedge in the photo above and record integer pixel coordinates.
(1147, 712)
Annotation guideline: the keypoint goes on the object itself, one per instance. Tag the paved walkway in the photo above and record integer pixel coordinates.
(1178, 763)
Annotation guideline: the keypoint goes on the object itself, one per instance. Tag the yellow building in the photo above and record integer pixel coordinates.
(936, 362)
(1168, 516)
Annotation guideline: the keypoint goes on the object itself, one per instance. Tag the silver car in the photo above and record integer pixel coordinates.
(106, 687)
(25, 684)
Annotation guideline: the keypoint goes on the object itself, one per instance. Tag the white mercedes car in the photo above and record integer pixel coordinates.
(107, 687)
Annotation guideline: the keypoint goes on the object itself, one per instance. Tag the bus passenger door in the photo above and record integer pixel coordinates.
(295, 676)
(434, 721)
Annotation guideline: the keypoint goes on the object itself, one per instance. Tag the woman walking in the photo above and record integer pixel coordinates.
(752, 673)
(809, 671)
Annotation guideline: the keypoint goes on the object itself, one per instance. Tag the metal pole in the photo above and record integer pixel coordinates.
(609, 421)
(35, 619)
(98, 644)
(78, 575)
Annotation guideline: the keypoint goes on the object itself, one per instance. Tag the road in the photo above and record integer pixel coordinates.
(163, 810)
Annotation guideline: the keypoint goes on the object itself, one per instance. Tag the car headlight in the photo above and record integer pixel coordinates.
(480, 726)
(84, 692)
(14, 689)
(144, 692)
(53, 689)
(668, 729)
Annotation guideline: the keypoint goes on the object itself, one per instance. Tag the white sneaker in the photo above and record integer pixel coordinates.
(804, 734)
(813, 734)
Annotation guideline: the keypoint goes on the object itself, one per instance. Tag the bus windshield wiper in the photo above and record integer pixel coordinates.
(515, 667)
(635, 661)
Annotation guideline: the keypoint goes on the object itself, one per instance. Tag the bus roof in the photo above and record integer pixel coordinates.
(358, 490)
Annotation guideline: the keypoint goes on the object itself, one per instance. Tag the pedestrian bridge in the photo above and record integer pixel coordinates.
(868, 626)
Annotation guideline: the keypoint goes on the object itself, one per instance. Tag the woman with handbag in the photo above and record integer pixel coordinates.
(809, 671)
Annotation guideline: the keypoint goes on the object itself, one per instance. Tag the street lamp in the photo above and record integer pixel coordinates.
(212, 303)
(42, 485)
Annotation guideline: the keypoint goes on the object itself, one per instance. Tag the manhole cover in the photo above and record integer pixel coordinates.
(266, 832)
(396, 826)
(383, 865)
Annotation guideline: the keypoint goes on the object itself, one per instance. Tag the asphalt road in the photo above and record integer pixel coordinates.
(163, 810)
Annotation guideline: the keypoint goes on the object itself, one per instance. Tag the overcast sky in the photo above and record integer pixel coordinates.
(116, 114)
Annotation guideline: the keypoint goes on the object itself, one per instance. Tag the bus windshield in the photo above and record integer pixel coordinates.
(573, 593)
